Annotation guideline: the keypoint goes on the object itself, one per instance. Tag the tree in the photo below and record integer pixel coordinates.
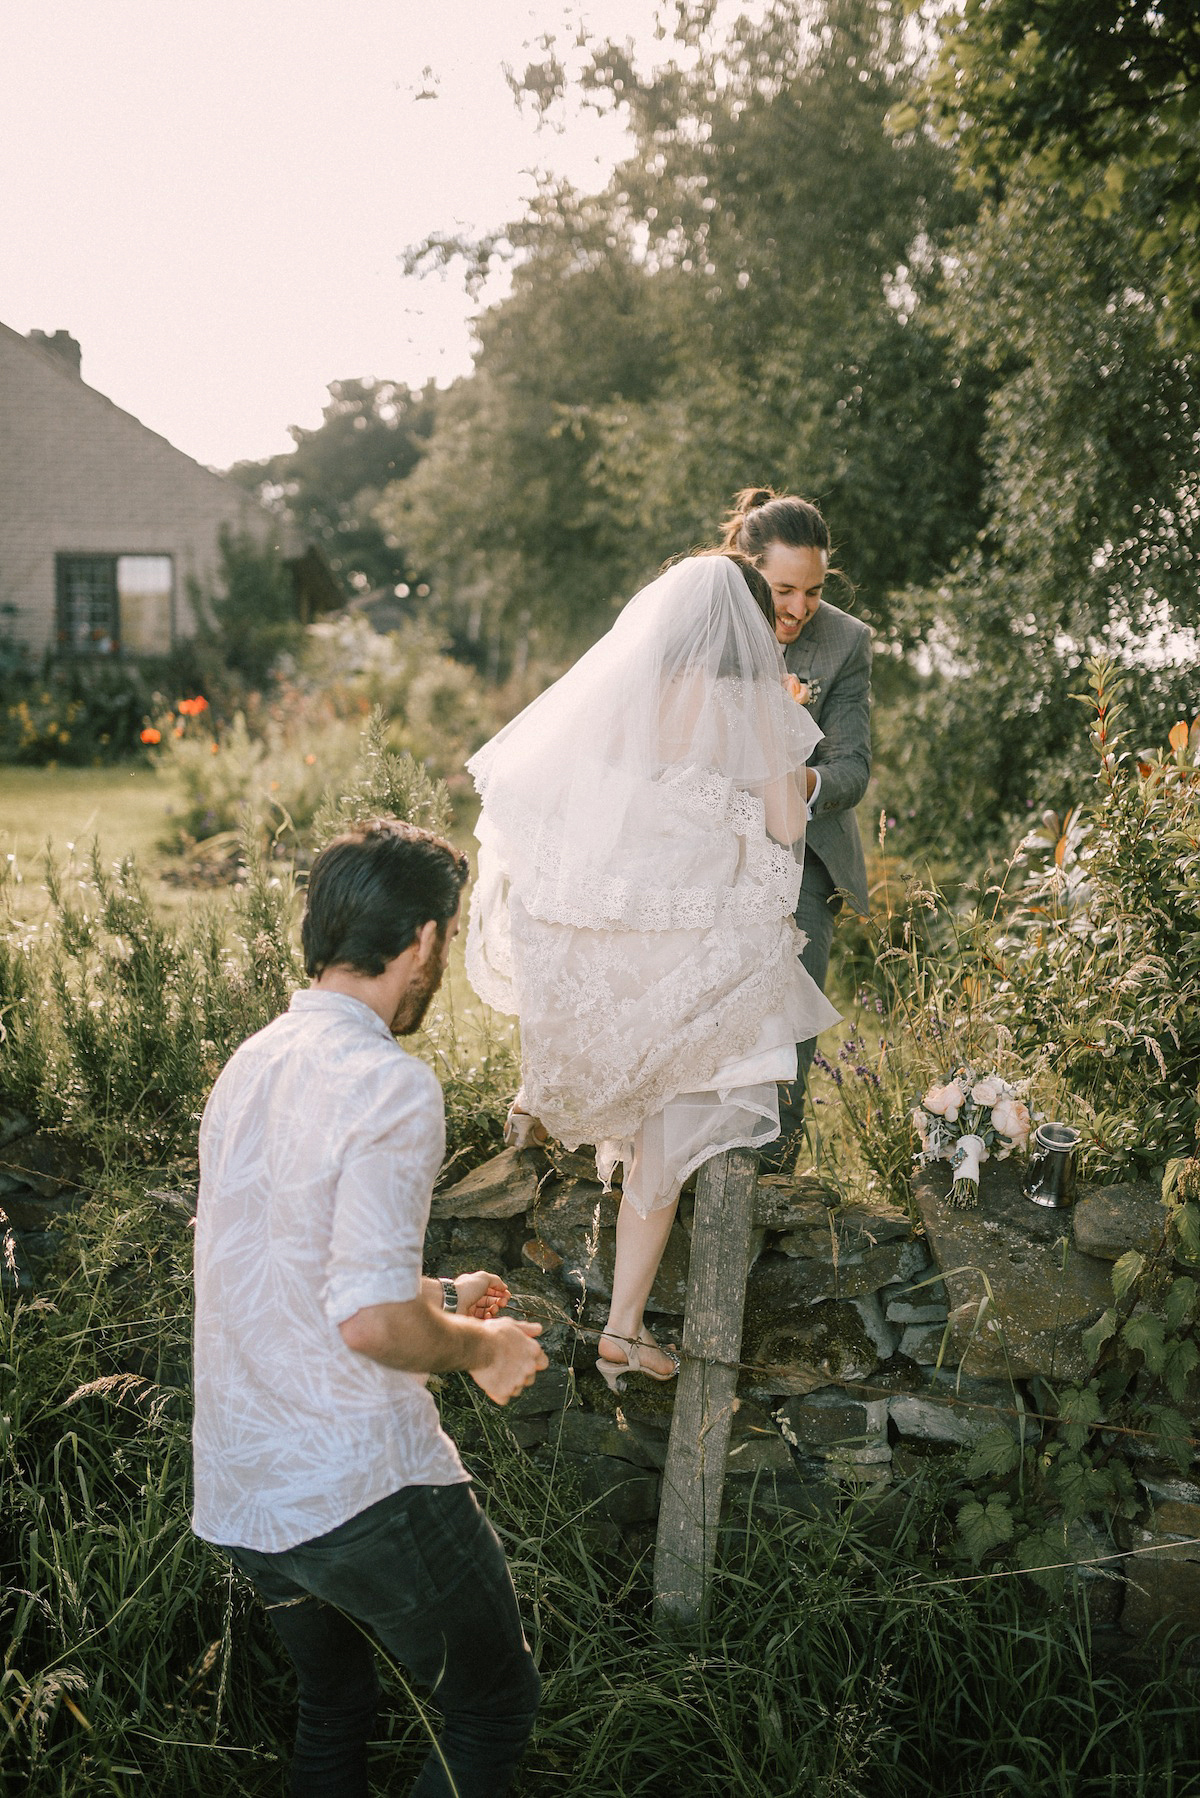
(372, 434)
(1070, 92)
(747, 300)
(1092, 542)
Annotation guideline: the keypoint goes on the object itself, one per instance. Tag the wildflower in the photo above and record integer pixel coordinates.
(310, 760)
(150, 735)
(178, 731)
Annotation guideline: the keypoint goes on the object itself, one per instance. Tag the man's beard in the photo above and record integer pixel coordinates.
(417, 999)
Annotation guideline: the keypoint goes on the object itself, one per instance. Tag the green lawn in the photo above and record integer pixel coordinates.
(127, 809)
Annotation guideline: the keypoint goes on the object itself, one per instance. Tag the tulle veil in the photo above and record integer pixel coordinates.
(632, 907)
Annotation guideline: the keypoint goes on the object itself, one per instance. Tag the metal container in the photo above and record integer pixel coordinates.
(1050, 1177)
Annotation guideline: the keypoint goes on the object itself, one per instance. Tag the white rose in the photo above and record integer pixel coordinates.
(935, 1100)
(987, 1092)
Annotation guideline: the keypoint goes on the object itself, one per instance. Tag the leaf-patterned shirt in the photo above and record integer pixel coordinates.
(318, 1152)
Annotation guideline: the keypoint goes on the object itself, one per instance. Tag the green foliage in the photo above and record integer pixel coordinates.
(984, 1527)
(1101, 98)
(116, 1022)
(1093, 967)
(251, 617)
(371, 435)
(383, 784)
(749, 299)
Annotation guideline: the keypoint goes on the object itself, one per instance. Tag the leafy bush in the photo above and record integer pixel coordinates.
(1093, 969)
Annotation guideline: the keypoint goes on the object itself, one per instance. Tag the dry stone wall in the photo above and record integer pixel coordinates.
(870, 1344)
(868, 1347)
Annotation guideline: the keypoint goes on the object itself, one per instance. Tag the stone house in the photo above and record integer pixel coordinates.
(104, 525)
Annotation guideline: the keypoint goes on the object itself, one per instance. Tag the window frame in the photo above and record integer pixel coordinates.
(66, 646)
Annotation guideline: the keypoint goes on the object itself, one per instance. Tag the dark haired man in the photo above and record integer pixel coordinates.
(320, 1463)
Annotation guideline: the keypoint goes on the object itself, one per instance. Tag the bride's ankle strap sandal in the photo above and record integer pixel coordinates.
(613, 1372)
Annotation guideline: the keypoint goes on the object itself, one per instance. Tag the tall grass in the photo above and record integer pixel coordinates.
(838, 1659)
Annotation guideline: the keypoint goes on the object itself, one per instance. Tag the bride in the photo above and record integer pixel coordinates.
(640, 849)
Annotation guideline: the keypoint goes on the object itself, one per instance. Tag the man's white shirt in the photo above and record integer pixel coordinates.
(319, 1147)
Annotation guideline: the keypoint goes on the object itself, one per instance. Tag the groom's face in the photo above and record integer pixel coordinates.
(796, 578)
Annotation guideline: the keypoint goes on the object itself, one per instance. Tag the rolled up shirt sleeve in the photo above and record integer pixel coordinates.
(381, 1205)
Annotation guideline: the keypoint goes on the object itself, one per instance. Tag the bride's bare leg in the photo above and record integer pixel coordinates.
(640, 1245)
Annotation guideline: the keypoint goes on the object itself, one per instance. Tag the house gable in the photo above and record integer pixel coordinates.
(79, 477)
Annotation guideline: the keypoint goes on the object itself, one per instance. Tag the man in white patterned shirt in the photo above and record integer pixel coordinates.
(320, 1463)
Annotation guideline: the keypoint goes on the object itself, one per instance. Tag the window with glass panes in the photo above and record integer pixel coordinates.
(112, 604)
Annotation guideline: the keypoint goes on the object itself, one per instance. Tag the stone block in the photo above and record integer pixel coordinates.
(884, 1335)
(922, 1343)
(589, 1433)
(754, 1497)
(760, 1454)
(958, 1410)
(864, 1271)
(613, 1490)
(784, 1204)
(501, 1188)
(1110, 1220)
(921, 1301)
(553, 1390)
(475, 1243)
(577, 1220)
(26, 1212)
(1045, 1291)
(12, 1125)
(540, 1299)
(834, 1235)
(788, 1337)
(832, 1418)
(52, 1166)
(866, 1454)
(529, 1432)
(1163, 1587)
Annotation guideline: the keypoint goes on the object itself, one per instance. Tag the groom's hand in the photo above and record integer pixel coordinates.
(481, 1294)
(514, 1359)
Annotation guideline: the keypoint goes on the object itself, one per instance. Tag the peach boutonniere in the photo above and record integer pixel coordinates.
(804, 692)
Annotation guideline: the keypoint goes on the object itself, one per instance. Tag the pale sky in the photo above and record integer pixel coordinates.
(213, 196)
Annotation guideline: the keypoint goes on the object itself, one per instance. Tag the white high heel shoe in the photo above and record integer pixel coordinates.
(614, 1371)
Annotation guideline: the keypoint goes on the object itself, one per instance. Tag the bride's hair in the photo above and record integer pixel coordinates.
(761, 517)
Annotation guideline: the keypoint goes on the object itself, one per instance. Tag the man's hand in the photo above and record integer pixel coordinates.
(514, 1362)
(481, 1295)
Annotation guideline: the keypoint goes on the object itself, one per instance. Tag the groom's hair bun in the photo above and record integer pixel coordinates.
(761, 517)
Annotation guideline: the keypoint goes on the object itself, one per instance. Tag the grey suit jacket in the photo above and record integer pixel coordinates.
(833, 653)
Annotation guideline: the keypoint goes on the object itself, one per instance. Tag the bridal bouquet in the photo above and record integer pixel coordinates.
(963, 1119)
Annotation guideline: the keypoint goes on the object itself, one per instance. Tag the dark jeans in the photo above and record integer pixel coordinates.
(423, 1571)
(819, 906)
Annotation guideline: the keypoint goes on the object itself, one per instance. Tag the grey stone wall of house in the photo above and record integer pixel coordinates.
(867, 1349)
(79, 476)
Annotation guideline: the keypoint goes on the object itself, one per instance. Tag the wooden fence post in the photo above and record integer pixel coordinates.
(694, 1478)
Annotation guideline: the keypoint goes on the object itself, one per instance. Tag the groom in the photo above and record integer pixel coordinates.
(829, 654)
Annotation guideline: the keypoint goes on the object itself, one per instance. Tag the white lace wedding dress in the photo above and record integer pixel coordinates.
(632, 908)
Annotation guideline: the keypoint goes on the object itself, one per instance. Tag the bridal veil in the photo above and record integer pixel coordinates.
(639, 864)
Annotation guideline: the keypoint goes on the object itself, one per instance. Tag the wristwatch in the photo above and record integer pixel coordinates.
(449, 1295)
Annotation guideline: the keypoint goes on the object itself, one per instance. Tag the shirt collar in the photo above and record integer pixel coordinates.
(314, 999)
